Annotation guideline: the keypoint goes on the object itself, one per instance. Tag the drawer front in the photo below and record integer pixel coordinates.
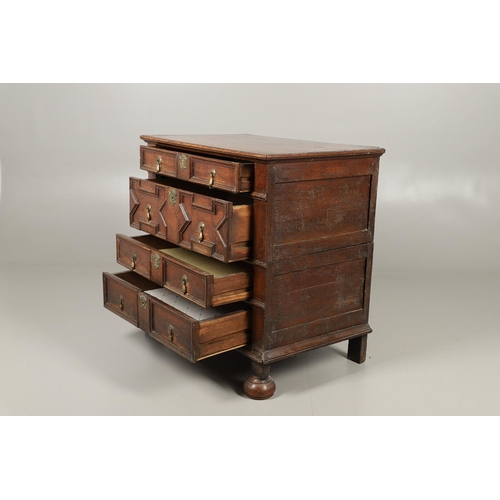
(172, 329)
(211, 226)
(235, 177)
(159, 161)
(187, 283)
(191, 331)
(198, 339)
(133, 256)
(148, 260)
(120, 294)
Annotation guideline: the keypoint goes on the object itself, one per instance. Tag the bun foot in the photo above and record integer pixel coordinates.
(259, 385)
(257, 388)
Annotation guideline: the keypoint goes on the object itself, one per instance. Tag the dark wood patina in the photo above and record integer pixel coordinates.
(301, 216)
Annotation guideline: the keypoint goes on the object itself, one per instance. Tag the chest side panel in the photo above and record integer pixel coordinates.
(320, 293)
(322, 205)
(320, 270)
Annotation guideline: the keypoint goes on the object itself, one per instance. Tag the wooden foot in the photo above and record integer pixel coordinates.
(356, 351)
(259, 385)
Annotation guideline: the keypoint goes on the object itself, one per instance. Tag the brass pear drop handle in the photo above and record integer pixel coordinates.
(148, 214)
(134, 258)
(184, 285)
(171, 333)
(121, 301)
(158, 165)
(211, 181)
(202, 228)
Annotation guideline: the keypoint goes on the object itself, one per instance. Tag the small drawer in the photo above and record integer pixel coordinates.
(193, 332)
(232, 176)
(202, 280)
(215, 227)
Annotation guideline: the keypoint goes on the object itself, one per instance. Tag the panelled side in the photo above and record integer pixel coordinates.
(322, 219)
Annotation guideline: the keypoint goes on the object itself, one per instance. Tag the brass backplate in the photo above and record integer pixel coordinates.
(183, 161)
(156, 260)
(172, 196)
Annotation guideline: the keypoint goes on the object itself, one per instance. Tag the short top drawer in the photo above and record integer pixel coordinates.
(232, 176)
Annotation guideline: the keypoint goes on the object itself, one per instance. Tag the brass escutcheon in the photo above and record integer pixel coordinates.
(156, 260)
(172, 196)
(158, 165)
(184, 284)
(211, 181)
(143, 301)
(182, 161)
(148, 214)
(134, 258)
(202, 228)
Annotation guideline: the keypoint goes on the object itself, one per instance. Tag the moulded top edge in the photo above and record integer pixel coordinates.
(256, 147)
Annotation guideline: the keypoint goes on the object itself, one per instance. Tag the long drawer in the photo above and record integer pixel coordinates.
(215, 227)
(191, 331)
(236, 177)
(198, 278)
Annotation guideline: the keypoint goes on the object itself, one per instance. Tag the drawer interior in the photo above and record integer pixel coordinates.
(192, 310)
(136, 280)
(215, 267)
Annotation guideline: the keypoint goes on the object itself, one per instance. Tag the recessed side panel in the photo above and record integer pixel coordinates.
(319, 295)
(320, 215)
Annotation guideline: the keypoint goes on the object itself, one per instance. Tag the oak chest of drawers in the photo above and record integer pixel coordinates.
(253, 243)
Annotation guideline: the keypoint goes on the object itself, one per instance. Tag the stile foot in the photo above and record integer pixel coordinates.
(356, 350)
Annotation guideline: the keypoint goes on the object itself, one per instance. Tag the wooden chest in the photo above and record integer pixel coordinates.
(254, 243)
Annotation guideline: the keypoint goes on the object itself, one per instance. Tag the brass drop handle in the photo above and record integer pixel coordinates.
(121, 301)
(134, 258)
(211, 181)
(148, 214)
(158, 165)
(202, 228)
(184, 285)
(171, 333)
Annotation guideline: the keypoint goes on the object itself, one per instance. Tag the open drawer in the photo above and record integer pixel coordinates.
(233, 176)
(216, 227)
(202, 280)
(191, 331)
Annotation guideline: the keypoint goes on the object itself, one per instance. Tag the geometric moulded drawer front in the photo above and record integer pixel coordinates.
(193, 332)
(211, 226)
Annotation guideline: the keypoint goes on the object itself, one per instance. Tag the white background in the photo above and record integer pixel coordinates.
(437, 216)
